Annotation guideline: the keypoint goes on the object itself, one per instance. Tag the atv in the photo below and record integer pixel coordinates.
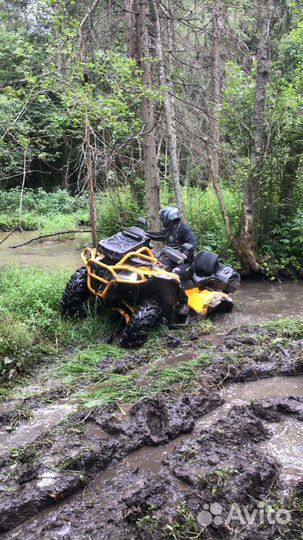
(124, 272)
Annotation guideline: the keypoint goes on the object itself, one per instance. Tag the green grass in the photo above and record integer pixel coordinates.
(129, 388)
(86, 363)
(116, 387)
(184, 372)
(289, 328)
(31, 323)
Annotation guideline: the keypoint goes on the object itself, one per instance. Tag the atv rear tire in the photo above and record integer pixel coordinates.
(76, 295)
(136, 332)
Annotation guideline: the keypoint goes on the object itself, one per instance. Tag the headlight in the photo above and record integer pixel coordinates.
(129, 276)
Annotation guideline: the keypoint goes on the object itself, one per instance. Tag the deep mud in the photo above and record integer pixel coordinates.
(149, 470)
(64, 459)
(223, 464)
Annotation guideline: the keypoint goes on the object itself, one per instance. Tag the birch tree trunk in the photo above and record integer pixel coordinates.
(247, 244)
(169, 108)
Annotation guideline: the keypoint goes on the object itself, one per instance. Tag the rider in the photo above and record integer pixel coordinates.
(177, 233)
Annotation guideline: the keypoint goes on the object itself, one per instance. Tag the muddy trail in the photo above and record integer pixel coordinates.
(217, 455)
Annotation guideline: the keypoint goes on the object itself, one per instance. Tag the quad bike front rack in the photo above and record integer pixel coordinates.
(92, 258)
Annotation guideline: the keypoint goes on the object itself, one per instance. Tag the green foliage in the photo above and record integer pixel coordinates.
(117, 210)
(40, 202)
(204, 216)
(47, 211)
(42, 108)
(30, 316)
(283, 250)
(297, 230)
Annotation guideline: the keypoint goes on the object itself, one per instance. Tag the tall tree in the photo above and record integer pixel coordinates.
(169, 104)
(247, 243)
(216, 95)
(87, 145)
(142, 55)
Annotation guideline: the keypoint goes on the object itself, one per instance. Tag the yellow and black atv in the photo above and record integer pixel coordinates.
(125, 274)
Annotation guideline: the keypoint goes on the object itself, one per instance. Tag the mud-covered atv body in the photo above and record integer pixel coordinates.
(125, 274)
(208, 282)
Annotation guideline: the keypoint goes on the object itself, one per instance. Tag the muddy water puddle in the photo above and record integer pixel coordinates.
(286, 443)
(263, 389)
(286, 446)
(257, 302)
(244, 393)
(49, 254)
(43, 420)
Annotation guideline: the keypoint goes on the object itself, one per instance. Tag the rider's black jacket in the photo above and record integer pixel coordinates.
(179, 234)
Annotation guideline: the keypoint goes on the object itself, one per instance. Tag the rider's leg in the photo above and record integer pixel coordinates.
(185, 272)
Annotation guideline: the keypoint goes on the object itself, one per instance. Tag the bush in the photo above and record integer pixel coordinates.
(41, 210)
(40, 202)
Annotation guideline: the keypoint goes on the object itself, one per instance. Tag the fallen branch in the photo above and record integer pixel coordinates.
(46, 236)
(9, 234)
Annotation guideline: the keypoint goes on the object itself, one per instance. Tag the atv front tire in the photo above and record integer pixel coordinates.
(136, 332)
(76, 295)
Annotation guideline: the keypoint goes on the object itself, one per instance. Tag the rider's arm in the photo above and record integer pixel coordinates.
(188, 236)
(160, 236)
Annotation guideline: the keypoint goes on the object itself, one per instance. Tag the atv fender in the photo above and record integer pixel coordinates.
(206, 302)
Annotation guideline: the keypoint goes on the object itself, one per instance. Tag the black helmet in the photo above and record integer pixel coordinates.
(169, 214)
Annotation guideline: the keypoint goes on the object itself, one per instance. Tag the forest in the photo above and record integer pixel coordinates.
(137, 402)
(115, 109)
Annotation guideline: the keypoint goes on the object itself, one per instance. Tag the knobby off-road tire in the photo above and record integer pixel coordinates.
(76, 295)
(136, 332)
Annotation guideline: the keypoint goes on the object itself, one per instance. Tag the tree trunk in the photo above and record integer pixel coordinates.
(91, 183)
(216, 97)
(214, 142)
(65, 169)
(131, 27)
(87, 131)
(169, 109)
(247, 243)
(22, 189)
(147, 113)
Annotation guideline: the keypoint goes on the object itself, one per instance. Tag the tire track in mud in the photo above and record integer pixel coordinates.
(72, 455)
(223, 463)
(73, 459)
